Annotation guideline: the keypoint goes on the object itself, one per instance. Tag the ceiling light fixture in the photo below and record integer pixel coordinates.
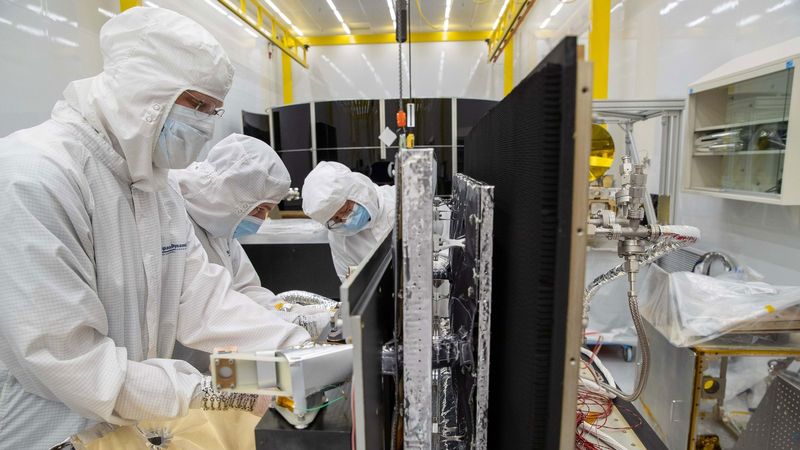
(106, 12)
(556, 9)
(748, 20)
(65, 42)
(696, 22)
(284, 17)
(447, 7)
(391, 12)
(778, 6)
(545, 23)
(500, 15)
(30, 30)
(670, 6)
(725, 7)
(617, 6)
(338, 16)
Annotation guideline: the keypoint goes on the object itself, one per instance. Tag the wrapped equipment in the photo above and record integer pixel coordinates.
(689, 308)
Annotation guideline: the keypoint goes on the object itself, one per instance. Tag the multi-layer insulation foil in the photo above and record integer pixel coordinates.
(417, 268)
(464, 396)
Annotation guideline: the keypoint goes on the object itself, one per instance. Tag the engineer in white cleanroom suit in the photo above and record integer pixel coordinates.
(356, 211)
(228, 196)
(103, 272)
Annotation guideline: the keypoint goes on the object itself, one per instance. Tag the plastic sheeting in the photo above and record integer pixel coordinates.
(199, 430)
(609, 316)
(689, 308)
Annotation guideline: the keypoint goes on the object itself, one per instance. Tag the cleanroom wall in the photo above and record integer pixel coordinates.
(438, 69)
(48, 43)
(657, 48)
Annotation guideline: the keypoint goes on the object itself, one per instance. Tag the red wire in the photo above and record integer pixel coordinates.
(352, 418)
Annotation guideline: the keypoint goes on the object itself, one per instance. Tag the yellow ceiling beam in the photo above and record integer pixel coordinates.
(286, 70)
(256, 15)
(509, 22)
(508, 67)
(388, 38)
(128, 4)
(599, 37)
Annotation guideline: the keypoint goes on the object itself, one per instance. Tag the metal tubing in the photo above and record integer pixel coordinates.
(633, 152)
(675, 237)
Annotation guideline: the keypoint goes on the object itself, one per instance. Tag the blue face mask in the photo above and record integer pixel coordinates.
(357, 219)
(182, 138)
(249, 225)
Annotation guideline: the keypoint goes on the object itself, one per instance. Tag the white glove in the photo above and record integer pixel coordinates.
(313, 322)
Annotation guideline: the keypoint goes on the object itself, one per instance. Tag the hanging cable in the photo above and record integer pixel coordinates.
(410, 94)
(419, 9)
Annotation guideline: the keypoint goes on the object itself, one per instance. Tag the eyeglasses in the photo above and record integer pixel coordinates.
(338, 220)
(205, 108)
(333, 224)
(260, 209)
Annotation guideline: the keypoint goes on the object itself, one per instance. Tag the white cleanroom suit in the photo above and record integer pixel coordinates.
(103, 271)
(239, 173)
(326, 189)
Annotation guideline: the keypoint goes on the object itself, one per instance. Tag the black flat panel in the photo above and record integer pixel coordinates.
(284, 267)
(347, 123)
(357, 159)
(371, 296)
(524, 147)
(292, 127)
(298, 162)
(468, 113)
(256, 125)
(434, 120)
(330, 430)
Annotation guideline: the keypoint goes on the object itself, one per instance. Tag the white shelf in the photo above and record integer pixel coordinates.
(741, 124)
(761, 197)
(763, 86)
(744, 153)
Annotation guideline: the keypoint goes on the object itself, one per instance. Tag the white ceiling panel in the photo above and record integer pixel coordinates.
(315, 18)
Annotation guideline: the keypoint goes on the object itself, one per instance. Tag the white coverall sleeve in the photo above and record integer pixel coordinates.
(246, 280)
(53, 326)
(341, 259)
(312, 318)
(212, 314)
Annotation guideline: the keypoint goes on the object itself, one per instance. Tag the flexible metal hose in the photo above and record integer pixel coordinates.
(306, 298)
(673, 238)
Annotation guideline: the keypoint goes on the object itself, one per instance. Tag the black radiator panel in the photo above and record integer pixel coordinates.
(524, 147)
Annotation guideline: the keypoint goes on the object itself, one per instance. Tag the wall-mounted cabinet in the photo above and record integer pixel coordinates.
(743, 129)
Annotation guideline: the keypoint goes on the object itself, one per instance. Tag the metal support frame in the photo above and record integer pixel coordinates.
(454, 142)
(669, 179)
(312, 110)
(416, 168)
(626, 113)
(389, 38)
(271, 129)
(256, 15)
(382, 121)
(510, 21)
